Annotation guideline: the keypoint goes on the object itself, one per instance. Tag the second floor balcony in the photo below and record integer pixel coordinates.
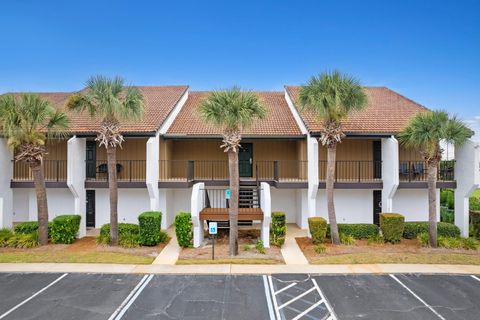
(53, 171)
(127, 170)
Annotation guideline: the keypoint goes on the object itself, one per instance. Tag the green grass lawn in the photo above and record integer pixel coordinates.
(73, 257)
(406, 258)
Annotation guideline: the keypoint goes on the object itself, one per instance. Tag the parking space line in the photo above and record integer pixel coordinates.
(284, 288)
(296, 298)
(417, 297)
(333, 316)
(475, 277)
(33, 296)
(313, 306)
(132, 296)
(277, 311)
(268, 297)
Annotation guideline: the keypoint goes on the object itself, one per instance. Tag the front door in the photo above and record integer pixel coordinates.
(90, 208)
(377, 206)
(245, 160)
(91, 157)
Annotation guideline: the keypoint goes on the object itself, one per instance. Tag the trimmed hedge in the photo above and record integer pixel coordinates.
(278, 229)
(475, 221)
(392, 226)
(415, 228)
(127, 234)
(64, 228)
(29, 227)
(184, 229)
(356, 230)
(150, 224)
(318, 229)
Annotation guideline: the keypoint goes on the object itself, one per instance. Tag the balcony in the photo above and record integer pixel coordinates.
(414, 174)
(54, 172)
(127, 170)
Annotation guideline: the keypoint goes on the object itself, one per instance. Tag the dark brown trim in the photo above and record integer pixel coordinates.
(175, 184)
(424, 185)
(121, 184)
(289, 185)
(354, 185)
(30, 184)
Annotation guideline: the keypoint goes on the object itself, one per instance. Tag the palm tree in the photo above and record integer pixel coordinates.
(331, 97)
(233, 110)
(27, 121)
(424, 133)
(114, 102)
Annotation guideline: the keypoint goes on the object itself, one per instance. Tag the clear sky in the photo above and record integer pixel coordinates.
(427, 50)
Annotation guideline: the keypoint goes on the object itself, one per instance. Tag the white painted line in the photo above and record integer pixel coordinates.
(275, 304)
(285, 288)
(418, 298)
(475, 277)
(268, 297)
(313, 306)
(296, 298)
(32, 296)
(120, 311)
(333, 316)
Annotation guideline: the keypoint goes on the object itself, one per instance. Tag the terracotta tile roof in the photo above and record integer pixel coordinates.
(159, 102)
(387, 112)
(279, 120)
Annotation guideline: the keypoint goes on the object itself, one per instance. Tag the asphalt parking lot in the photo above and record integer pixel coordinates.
(302, 296)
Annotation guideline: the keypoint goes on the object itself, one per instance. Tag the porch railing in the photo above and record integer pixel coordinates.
(127, 170)
(352, 170)
(411, 171)
(53, 171)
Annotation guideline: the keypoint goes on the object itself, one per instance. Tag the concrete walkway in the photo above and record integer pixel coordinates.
(290, 250)
(169, 254)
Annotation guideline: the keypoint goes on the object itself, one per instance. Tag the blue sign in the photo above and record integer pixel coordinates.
(212, 228)
(227, 194)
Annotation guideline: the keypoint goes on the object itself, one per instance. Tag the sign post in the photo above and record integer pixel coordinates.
(212, 229)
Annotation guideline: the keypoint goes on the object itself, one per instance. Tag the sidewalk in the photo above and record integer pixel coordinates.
(169, 254)
(290, 251)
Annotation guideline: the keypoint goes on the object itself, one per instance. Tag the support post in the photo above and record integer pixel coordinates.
(76, 173)
(390, 172)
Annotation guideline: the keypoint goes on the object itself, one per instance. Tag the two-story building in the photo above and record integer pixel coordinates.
(171, 161)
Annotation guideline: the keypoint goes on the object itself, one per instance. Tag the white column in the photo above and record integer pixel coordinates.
(312, 157)
(390, 175)
(196, 206)
(467, 175)
(152, 174)
(76, 173)
(6, 175)
(266, 206)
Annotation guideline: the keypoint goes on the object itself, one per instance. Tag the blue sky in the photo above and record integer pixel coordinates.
(426, 50)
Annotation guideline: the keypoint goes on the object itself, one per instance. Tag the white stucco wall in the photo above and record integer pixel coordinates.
(285, 200)
(389, 172)
(6, 172)
(76, 155)
(351, 206)
(60, 201)
(131, 202)
(413, 204)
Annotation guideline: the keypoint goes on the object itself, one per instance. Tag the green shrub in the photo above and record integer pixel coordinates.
(424, 239)
(129, 240)
(450, 200)
(278, 229)
(392, 226)
(260, 247)
(356, 230)
(320, 248)
(474, 204)
(347, 239)
(22, 240)
(64, 229)
(125, 230)
(447, 215)
(29, 227)
(150, 224)
(164, 237)
(247, 247)
(414, 228)
(376, 239)
(318, 229)
(470, 243)
(449, 242)
(184, 229)
(5, 235)
(444, 194)
(475, 223)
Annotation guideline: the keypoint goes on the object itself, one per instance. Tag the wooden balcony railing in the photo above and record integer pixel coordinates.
(53, 171)
(412, 171)
(127, 170)
(353, 171)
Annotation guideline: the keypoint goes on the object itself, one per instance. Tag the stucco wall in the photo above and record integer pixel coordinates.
(285, 200)
(412, 203)
(60, 201)
(351, 206)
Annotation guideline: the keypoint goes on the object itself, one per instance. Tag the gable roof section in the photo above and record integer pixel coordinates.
(387, 112)
(159, 103)
(278, 122)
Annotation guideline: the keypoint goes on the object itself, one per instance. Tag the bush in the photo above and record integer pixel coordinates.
(470, 243)
(64, 229)
(474, 204)
(129, 240)
(319, 248)
(392, 226)
(347, 239)
(29, 227)
(444, 229)
(278, 229)
(150, 224)
(125, 231)
(447, 215)
(447, 198)
(318, 229)
(260, 247)
(376, 239)
(184, 229)
(356, 230)
(475, 222)
(22, 240)
(5, 235)
(424, 239)
(449, 242)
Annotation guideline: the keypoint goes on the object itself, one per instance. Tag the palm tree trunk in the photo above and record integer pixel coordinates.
(432, 202)
(233, 211)
(42, 205)
(332, 219)
(112, 186)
